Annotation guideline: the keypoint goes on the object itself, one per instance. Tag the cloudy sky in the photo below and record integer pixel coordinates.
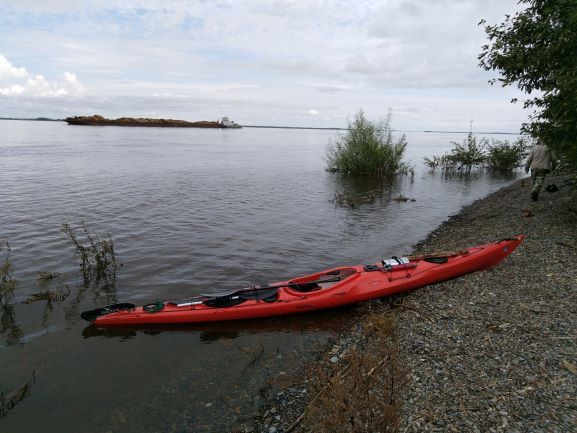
(261, 62)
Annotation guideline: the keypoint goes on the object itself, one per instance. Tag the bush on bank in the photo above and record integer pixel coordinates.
(498, 155)
(367, 149)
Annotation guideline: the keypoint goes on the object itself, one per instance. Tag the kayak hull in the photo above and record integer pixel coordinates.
(346, 285)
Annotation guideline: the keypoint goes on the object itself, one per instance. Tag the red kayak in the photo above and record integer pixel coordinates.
(328, 289)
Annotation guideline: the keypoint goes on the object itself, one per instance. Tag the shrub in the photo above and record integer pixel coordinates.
(469, 154)
(367, 148)
(495, 155)
(436, 162)
(505, 156)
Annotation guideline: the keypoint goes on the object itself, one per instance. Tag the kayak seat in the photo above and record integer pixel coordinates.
(325, 281)
(436, 260)
(225, 301)
(305, 287)
(267, 295)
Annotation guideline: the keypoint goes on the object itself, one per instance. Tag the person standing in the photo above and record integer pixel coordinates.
(541, 160)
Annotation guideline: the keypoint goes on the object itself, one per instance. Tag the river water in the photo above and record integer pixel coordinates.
(189, 210)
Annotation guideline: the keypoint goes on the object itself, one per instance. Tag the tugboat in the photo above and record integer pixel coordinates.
(227, 123)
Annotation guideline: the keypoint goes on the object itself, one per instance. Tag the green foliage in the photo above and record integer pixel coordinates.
(7, 283)
(367, 149)
(537, 50)
(505, 156)
(463, 157)
(483, 154)
(469, 154)
(435, 162)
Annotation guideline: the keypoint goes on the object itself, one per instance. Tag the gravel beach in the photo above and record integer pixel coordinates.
(493, 351)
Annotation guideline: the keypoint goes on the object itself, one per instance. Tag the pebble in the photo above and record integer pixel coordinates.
(485, 352)
(509, 325)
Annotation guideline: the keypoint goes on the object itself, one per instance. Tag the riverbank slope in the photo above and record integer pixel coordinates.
(488, 352)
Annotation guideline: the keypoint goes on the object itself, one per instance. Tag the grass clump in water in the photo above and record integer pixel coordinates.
(97, 256)
(367, 149)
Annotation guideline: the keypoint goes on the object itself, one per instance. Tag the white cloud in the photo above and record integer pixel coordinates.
(17, 81)
(9, 72)
(73, 84)
(259, 61)
(426, 43)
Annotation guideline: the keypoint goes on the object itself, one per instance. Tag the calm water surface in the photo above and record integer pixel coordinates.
(189, 210)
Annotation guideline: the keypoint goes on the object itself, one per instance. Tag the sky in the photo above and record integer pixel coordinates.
(259, 62)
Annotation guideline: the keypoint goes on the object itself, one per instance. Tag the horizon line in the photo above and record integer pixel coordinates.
(46, 119)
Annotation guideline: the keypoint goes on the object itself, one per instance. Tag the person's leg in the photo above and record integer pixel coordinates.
(538, 177)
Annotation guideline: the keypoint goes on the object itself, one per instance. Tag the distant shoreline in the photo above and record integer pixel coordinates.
(44, 119)
(394, 130)
(38, 119)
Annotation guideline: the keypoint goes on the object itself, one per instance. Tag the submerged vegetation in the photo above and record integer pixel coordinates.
(98, 265)
(367, 149)
(12, 398)
(498, 155)
(53, 290)
(97, 256)
(7, 283)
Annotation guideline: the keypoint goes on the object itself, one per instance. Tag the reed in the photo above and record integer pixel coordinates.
(97, 255)
(7, 283)
(364, 396)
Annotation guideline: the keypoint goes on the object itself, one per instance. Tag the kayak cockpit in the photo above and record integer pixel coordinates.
(322, 281)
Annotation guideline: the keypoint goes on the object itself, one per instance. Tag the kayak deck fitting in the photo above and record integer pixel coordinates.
(328, 289)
